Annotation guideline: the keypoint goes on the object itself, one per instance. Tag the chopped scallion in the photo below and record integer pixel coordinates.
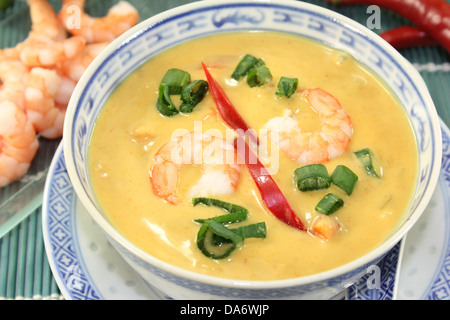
(329, 204)
(192, 94)
(287, 86)
(256, 230)
(217, 241)
(344, 178)
(312, 177)
(210, 248)
(176, 80)
(367, 160)
(244, 66)
(164, 104)
(258, 76)
(255, 69)
(230, 207)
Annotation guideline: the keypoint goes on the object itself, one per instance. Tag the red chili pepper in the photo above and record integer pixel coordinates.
(226, 109)
(407, 37)
(431, 16)
(269, 190)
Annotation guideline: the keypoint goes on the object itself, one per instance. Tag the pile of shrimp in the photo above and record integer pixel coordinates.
(38, 75)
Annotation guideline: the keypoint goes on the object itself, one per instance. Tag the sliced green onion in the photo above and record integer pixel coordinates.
(256, 230)
(244, 66)
(164, 104)
(176, 80)
(255, 69)
(287, 86)
(344, 178)
(258, 76)
(230, 207)
(173, 83)
(209, 247)
(222, 231)
(217, 241)
(192, 94)
(233, 217)
(329, 204)
(366, 157)
(312, 177)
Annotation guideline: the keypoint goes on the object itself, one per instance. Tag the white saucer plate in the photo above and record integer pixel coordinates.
(424, 270)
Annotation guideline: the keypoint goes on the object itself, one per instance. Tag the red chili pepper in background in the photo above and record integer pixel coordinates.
(407, 37)
(431, 16)
(269, 190)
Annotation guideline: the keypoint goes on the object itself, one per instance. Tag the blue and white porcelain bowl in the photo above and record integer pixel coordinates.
(202, 18)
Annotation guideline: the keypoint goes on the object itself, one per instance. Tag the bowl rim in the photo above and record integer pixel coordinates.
(369, 257)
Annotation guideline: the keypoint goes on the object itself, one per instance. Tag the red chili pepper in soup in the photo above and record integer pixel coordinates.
(270, 192)
(228, 113)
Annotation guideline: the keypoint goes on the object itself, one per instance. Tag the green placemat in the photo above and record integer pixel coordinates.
(24, 268)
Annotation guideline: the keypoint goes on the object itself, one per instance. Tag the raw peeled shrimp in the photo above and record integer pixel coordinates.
(75, 67)
(18, 142)
(215, 156)
(45, 88)
(120, 17)
(330, 141)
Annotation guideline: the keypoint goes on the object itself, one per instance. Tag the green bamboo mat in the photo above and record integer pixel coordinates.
(24, 268)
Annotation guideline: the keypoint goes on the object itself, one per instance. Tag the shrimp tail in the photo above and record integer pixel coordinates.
(120, 17)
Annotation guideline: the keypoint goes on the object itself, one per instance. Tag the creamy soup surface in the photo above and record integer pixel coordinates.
(130, 131)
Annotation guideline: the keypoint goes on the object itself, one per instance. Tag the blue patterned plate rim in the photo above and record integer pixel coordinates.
(57, 220)
(438, 271)
(441, 278)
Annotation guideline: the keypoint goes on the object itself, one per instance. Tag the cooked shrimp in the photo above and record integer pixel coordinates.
(330, 141)
(18, 142)
(215, 156)
(13, 76)
(47, 44)
(42, 51)
(9, 53)
(44, 21)
(75, 67)
(45, 87)
(119, 19)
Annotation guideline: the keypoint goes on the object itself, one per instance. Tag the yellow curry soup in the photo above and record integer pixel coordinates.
(130, 131)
